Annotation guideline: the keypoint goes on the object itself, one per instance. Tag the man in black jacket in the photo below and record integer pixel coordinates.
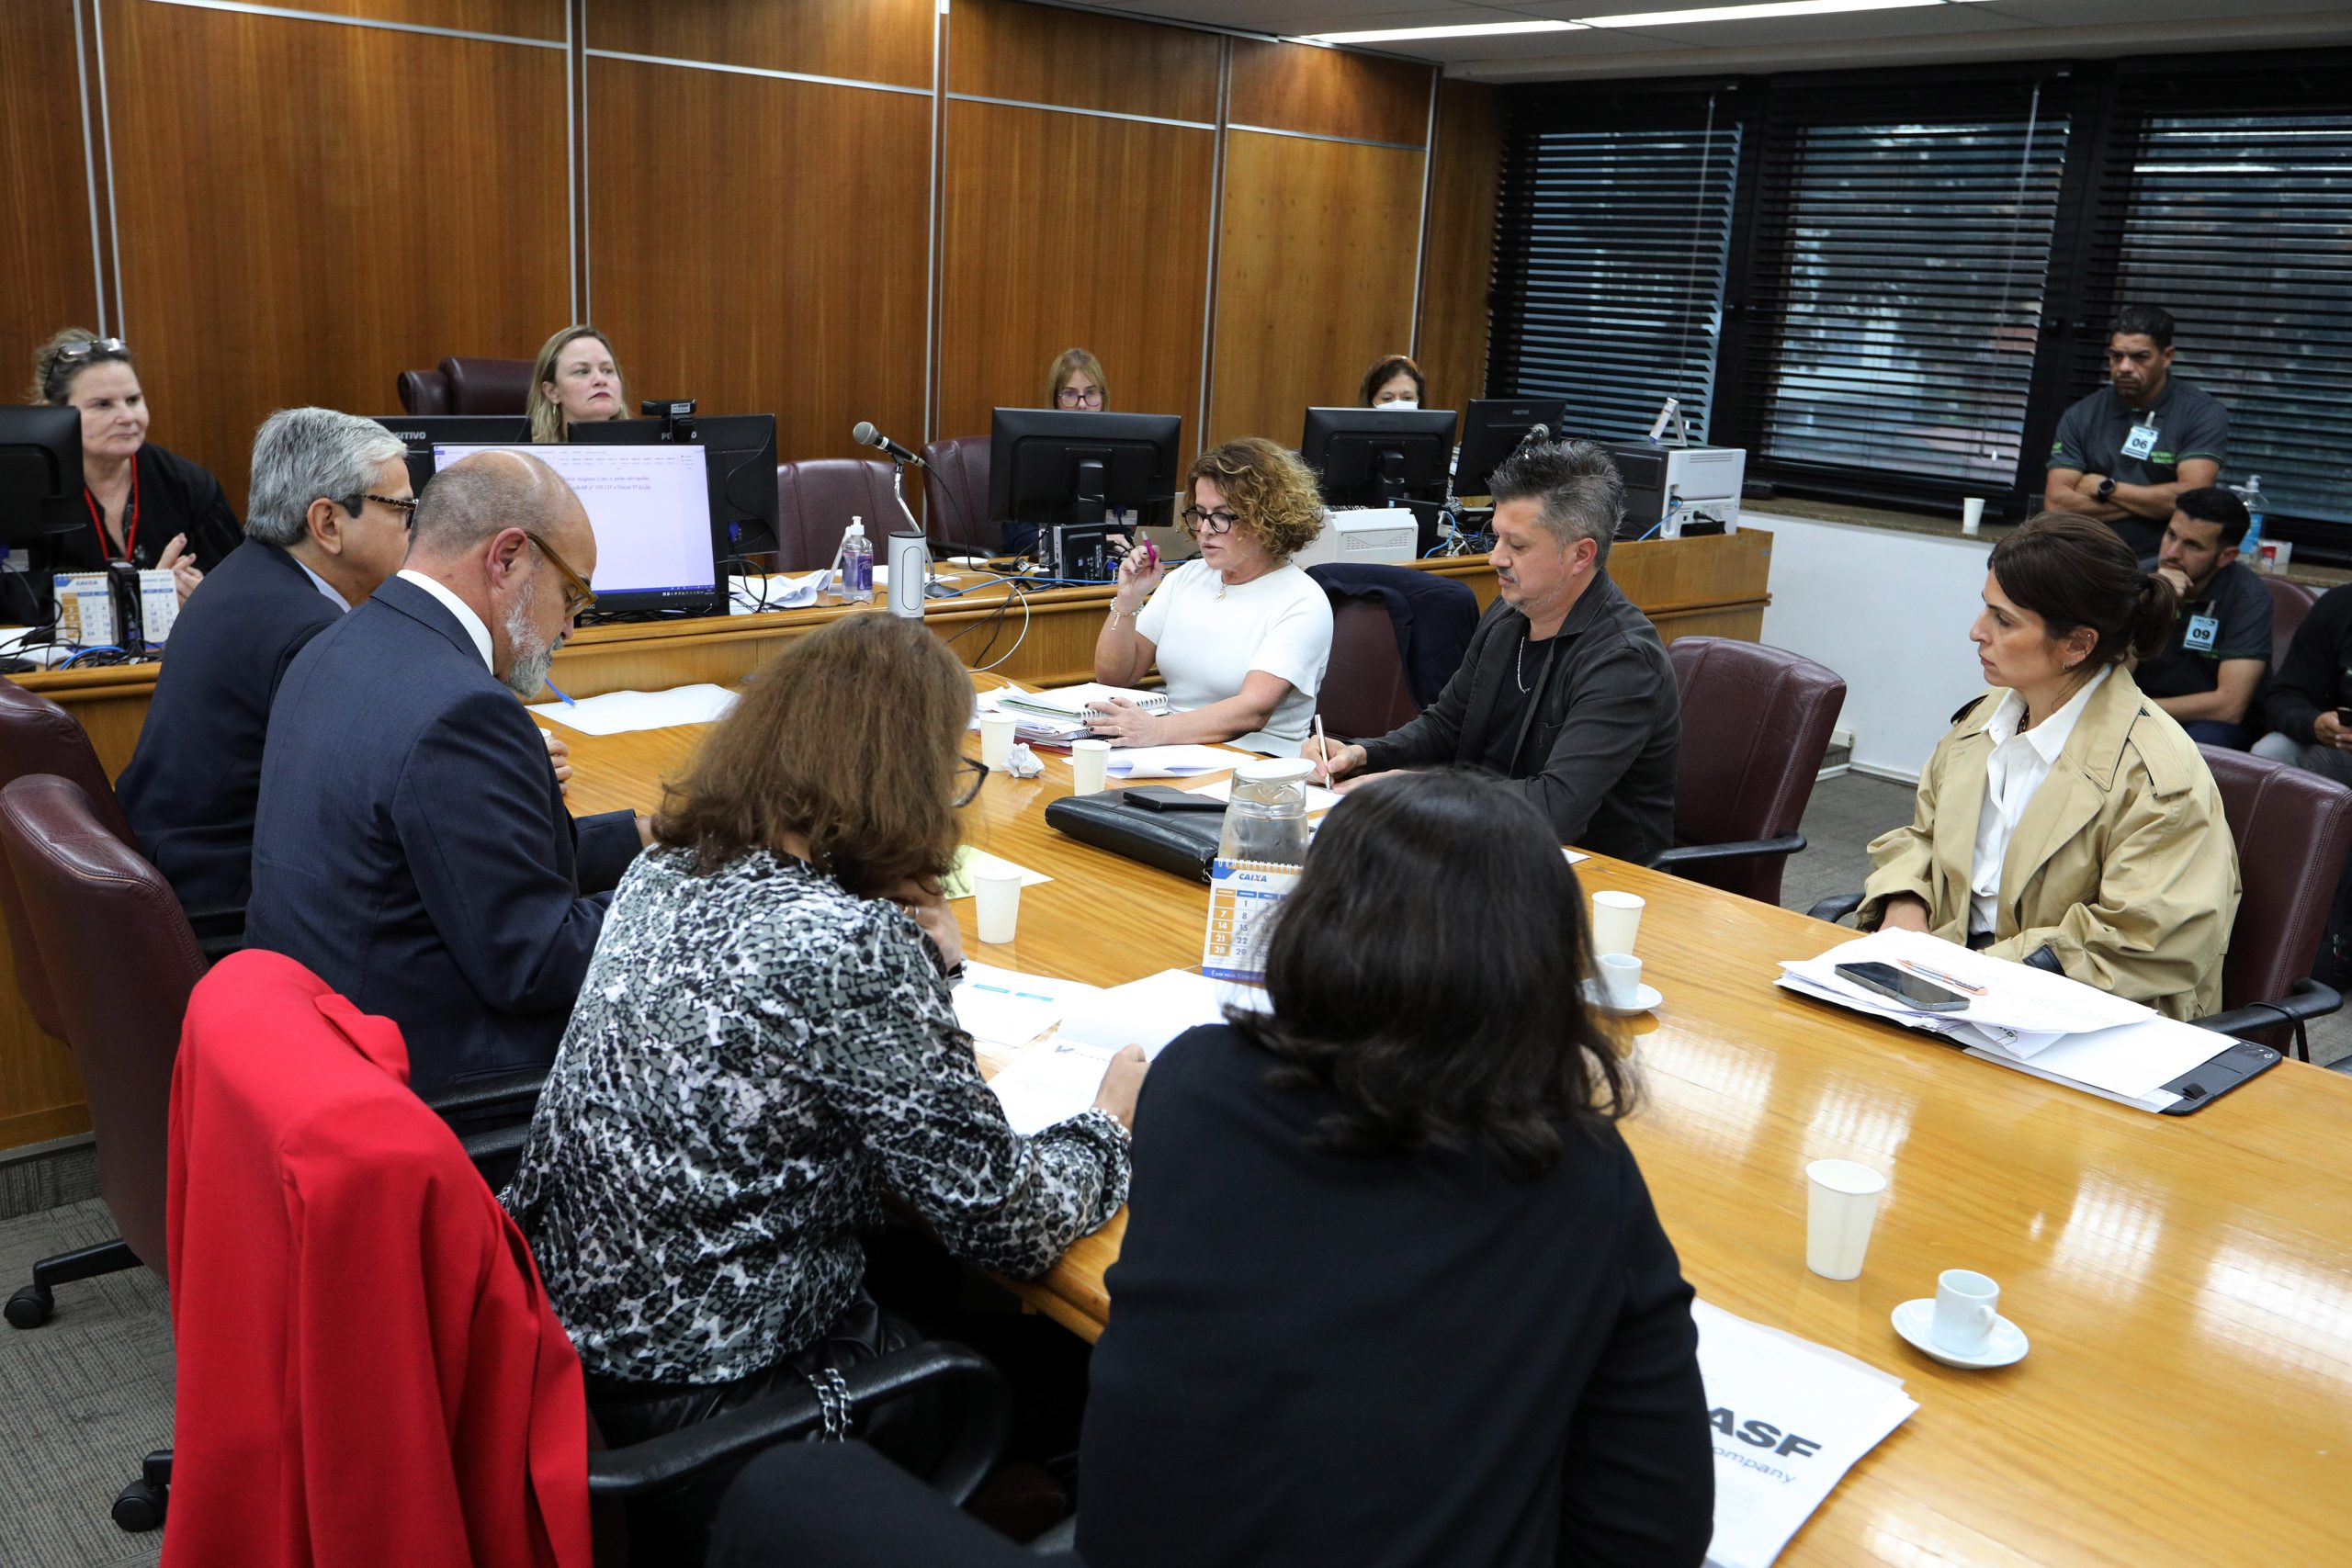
(327, 521)
(1565, 688)
(2309, 687)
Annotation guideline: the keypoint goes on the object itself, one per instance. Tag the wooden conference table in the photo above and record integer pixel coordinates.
(2185, 1282)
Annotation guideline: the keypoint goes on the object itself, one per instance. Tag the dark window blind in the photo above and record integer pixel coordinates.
(2237, 219)
(1609, 281)
(1903, 241)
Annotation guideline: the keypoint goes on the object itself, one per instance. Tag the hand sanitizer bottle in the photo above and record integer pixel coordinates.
(857, 564)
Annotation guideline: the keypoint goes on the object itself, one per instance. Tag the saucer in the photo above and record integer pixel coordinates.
(1646, 1000)
(1916, 1321)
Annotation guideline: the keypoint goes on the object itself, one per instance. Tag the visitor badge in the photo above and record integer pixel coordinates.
(2202, 631)
(2141, 441)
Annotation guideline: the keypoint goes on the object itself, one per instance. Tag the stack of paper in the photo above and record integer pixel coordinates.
(1056, 1079)
(617, 713)
(1058, 717)
(1170, 761)
(1790, 1419)
(2020, 1017)
(1003, 1007)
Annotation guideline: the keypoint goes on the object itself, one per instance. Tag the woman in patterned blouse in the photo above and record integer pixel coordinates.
(765, 1043)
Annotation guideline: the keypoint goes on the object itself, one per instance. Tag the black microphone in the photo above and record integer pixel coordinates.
(864, 435)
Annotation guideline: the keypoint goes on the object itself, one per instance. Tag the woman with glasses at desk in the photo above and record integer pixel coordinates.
(1392, 1290)
(765, 1043)
(147, 506)
(1241, 636)
(2067, 820)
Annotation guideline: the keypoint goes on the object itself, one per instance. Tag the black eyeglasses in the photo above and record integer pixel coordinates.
(1075, 396)
(1217, 522)
(974, 774)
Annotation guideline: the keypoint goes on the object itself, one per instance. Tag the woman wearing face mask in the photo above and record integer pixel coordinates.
(145, 506)
(1394, 383)
(2065, 819)
(577, 380)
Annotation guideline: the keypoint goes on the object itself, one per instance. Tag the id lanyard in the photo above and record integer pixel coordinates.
(2142, 440)
(130, 524)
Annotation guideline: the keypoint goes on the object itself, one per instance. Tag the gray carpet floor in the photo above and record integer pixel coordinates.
(90, 1393)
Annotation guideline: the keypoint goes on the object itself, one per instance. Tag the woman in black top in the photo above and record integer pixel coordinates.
(1392, 1290)
(145, 506)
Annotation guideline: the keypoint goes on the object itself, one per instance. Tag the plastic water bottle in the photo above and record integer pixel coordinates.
(857, 564)
(1266, 819)
(2252, 495)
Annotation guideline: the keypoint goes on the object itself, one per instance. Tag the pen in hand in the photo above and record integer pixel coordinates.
(1322, 751)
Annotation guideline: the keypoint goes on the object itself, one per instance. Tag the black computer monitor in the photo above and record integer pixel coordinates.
(1050, 466)
(41, 473)
(742, 467)
(422, 432)
(1492, 430)
(1378, 457)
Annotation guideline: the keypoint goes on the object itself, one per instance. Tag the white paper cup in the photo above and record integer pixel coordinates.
(2280, 551)
(996, 740)
(1972, 515)
(1088, 758)
(1966, 1305)
(1841, 1205)
(1616, 918)
(1621, 978)
(996, 893)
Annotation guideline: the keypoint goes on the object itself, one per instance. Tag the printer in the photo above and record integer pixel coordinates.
(1674, 490)
(1353, 535)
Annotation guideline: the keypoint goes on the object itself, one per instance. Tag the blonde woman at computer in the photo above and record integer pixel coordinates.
(576, 380)
(1241, 636)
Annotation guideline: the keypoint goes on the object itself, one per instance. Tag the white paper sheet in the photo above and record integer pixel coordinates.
(1170, 761)
(750, 595)
(1317, 797)
(2016, 996)
(1051, 1081)
(1004, 1006)
(1149, 1012)
(617, 712)
(970, 863)
(1790, 1419)
(2133, 1060)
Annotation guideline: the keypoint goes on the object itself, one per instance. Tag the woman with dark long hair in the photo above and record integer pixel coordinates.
(1392, 1290)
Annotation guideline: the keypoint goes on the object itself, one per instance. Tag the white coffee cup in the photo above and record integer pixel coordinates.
(996, 893)
(996, 740)
(1972, 515)
(1621, 979)
(1966, 1305)
(1616, 917)
(1088, 758)
(1841, 1205)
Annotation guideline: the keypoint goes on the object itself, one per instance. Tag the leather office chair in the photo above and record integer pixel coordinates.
(1364, 693)
(1756, 723)
(2291, 830)
(814, 501)
(465, 385)
(955, 492)
(284, 1085)
(2289, 603)
(1430, 618)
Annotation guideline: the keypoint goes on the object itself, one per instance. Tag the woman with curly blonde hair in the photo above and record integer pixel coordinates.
(1241, 636)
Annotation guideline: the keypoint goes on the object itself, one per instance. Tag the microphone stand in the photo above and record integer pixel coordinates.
(933, 585)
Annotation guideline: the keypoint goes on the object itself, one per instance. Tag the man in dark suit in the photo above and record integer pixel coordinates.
(412, 847)
(327, 522)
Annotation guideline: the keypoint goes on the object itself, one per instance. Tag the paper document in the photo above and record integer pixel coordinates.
(1071, 702)
(1151, 1012)
(1317, 797)
(2011, 996)
(1170, 761)
(1004, 1006)
(969, 861)
(617, 712)
(750, 595)
(1051, 1081)
(2132, 1061)
(1790, 1419)
(1575, 855)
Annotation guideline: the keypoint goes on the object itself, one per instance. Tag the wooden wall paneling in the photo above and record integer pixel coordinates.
(787, 276)
(45, 254)
(1069, 229)
(1458, 266)
(1043, 55)
(860, 41)
(1315, 267)
(507, 18)
(306, 208)
(1330, 92)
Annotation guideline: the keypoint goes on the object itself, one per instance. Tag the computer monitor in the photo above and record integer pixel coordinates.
(741, 468)
(1378, 457)
(1050, 466)
(649, 504)
(422, 432)
(40, 474)
(1492, 430)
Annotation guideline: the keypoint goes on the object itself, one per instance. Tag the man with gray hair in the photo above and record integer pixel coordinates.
(412, 847)
(327, 521)
(1565, 687)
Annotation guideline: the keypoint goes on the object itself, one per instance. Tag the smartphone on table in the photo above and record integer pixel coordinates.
(1903, 986)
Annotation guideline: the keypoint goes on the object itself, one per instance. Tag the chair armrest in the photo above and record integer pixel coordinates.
(452, 1100)
(1836, 908)
(663, 1461)
(503, 1144)
(2307, 1000)
(219, 932)
(1703, 854)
